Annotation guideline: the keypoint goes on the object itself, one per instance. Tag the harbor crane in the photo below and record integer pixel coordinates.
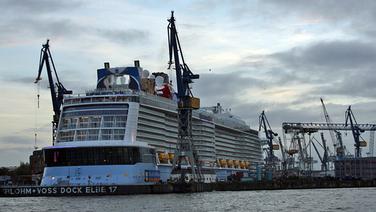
(283, 153)
(184, 153)
(57, 89)
(371, 143)
(334, 134)
(356, 131)
(324, 158)
(269, 134)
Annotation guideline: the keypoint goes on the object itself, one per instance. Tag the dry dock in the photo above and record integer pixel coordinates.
(304, 183)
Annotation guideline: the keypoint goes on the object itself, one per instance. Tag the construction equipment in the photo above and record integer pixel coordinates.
(324, 157)
(57, 89)
(283, 153)
(312, 127)
(298, 149)
(304, 159)
(337, 143)
(317, 151)
(269, 134)
(184, 152)
(356, 131)
(371, 143)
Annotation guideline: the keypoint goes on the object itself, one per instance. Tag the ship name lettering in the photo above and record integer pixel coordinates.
(17, 191)
(112, 189)
(69, 190)
(46, 190)
(96, 189)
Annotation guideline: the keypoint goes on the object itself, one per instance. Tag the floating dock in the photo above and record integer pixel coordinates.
(304, 183)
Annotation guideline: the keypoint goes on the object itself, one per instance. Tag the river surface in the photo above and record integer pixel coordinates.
(346, 199)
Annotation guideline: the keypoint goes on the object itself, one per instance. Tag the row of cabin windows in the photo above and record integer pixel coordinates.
(92, 122)
(91, 134)
(96, 107)
(103, 99)
(86, 156)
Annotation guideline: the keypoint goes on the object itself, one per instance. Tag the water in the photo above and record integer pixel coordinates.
(346, 199)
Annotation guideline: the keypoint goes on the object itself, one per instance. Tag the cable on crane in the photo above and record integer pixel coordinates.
(36, 116)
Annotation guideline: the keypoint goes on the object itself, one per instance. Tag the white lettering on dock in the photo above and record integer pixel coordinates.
(36, 191)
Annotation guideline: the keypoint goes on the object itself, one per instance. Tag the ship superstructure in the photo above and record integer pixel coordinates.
(127, 129)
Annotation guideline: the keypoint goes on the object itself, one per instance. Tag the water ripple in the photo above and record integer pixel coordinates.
(349, 199)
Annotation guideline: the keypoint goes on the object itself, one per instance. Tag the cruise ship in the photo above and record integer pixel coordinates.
(124, 132)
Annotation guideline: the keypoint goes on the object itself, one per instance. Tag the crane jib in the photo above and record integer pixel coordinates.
(57, 89)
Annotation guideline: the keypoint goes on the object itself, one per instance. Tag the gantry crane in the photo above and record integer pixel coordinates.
(356, 131)
(312, 127)
(350, 125)
(269, 134)
(57, 89)
(186, 103)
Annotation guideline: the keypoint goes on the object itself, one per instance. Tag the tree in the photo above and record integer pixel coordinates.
(4, 171)
(23, 169)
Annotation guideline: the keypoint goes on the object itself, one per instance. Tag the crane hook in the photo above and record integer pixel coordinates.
(38, 95)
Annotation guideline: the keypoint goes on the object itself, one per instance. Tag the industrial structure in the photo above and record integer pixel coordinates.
(57, 89)
(339, 163)
(270, 160)
(185, 152)
(298, 138)
(135, 120)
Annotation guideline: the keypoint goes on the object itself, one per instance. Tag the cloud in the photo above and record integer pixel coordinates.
(19, 29)
(358, 84)
(37, 7)
(354, 17)
(16, 140)
(329, 55)
(125, 37)
(340, 71)
(327, 8)
(35, 27)
(70, 79)
(326, 68)
(224, 87)
(45, 18)
(22, 80)
(241, 93)
(13, 156)
(36, 19)
(335, 67)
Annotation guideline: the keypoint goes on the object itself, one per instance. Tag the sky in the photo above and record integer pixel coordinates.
(252, 55)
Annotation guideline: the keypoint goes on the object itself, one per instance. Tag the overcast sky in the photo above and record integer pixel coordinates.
(278, 56)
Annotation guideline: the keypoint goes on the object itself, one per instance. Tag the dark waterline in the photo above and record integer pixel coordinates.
(346, 199)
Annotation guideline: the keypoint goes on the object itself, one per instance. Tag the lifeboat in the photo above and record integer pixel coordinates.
(163, 157)
(237, 164)
(230, 163)
(247, 164)
(242, 164)
(362, 143)
(223, 163)
(171, 156)
(292, 151)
